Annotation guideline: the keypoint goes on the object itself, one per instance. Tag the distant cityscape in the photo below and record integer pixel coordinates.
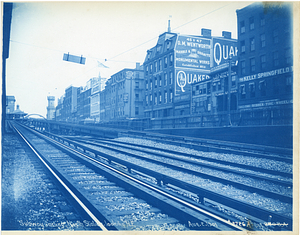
(193, 75)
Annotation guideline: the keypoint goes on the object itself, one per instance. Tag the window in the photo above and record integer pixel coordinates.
(150, 84)
(160, 65)
(166, 62)
(155, 67)
(137, 85)
(146, 84)
(243, 47)
(288, 56)
(262, 88)
(243, 67)
(242, 27)
(155, 99)
(289, 83)
(155, 82)
(263, 61)
(252, 44)
(243, 91)
(166, 79)
(136, 110)
(252, 64)
(136, 96)
(171, 95)
(233, 80)
(262, 40)
(219, 86)
(171, 78)
(214, 86)
(147, 100)
(251, 23)
(252, 89)
(160, 97)
(262, 21)
(146, 70)
(276, 58)
(150, 99)
(275, 36)
(151, 68)
(166, 96)
(208, 87)
(276, 85)
(171, 60)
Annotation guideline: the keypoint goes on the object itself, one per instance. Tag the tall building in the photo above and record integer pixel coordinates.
(266, 60)
(95, 98)
(51, 108)
(176, 63)
(70, 104)
(123, 95)
(10, 104)
(84, 103)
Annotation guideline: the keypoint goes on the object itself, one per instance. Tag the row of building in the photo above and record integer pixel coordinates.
(193, 74)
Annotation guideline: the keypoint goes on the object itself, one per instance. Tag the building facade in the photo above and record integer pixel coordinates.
(176, 63)
(266, 61)
(69, 108)
(51, 108)
(123, 95)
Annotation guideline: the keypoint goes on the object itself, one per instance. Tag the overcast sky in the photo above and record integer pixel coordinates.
(120, 32)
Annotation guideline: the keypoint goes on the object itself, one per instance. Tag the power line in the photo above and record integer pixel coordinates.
(174, 29)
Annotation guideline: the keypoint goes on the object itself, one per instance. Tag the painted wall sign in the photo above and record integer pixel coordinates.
(192, 52)
(184, 79)
(266, 74)
(224, 49)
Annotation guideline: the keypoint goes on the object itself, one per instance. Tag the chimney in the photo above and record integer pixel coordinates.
(137, 66)
(169, 26)
(206, 33)
(226, 34)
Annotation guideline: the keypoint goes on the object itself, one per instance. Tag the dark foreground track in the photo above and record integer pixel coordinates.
(92, 182)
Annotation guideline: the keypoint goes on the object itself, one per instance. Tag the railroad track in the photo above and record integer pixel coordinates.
(205, 197)
(209, 145)
(102, 191)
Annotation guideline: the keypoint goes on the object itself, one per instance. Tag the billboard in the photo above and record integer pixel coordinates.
(184, 79)
(192, 52)
(223, 49)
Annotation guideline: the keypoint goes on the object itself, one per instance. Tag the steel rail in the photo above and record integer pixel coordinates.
(261, 213)
(149, 186)
(122, 145)
(235, 204)
(84, 207)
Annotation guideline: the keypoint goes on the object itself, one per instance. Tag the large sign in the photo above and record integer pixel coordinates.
(266, 74)
(185, 78)
(223, 50)
(192, 52)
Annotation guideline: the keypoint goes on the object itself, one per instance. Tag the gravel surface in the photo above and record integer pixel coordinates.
(29, 202)
(227, 190)
(252, 161)
(266, 185)
(197, 160)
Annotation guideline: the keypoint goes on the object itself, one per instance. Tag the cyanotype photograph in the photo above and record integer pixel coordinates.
(149, 116)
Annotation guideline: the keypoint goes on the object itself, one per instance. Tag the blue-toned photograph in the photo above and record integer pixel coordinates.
(149, 116)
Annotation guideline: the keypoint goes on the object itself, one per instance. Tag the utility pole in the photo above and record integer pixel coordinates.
(229, 91)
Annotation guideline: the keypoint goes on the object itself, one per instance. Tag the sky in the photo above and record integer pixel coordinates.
(117, 34)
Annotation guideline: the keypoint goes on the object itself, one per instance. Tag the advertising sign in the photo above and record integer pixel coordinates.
(185, 78)
(224, 49)
(192, 52)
